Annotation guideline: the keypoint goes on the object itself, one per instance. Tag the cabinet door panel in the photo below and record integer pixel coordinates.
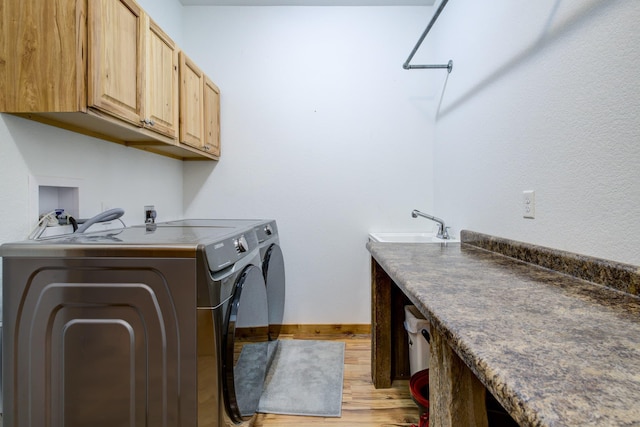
(115, 58)
(211, 117)
(161, 101)
(191, 103)
(42, 47)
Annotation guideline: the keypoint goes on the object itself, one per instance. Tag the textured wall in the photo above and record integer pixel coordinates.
(110, 175)
(168, 15)
(544, 96)
(322, 130)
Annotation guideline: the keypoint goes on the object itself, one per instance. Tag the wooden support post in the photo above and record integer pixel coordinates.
(456, 396)
(380, 327)
(389, 342)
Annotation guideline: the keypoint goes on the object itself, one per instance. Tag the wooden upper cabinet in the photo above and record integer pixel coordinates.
(133, 66)
(102, 68)
(160, 104)
(116, 73)
(199, 109)
(191, 103)
(211, 117)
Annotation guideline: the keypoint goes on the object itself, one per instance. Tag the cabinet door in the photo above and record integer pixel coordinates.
(115, 58)
(211, 117)
(191, 103)
(161, 95)
(42, 56)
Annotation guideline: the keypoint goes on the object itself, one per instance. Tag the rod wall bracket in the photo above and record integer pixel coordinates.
(448, 66)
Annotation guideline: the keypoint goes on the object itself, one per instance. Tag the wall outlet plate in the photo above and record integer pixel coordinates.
(529, 204)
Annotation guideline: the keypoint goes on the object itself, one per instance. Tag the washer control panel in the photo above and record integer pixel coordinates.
(227, 252)
(241, 244)
(266, 231)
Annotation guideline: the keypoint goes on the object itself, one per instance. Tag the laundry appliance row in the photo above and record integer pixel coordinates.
(141, 326)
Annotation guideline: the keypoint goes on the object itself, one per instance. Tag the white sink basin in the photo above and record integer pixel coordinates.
(408, 238)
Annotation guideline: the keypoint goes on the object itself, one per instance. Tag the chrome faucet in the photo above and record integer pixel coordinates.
(443, 232)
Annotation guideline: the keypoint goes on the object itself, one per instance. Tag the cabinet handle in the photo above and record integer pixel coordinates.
(148, 122)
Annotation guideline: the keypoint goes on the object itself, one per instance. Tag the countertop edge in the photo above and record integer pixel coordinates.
(616, 275)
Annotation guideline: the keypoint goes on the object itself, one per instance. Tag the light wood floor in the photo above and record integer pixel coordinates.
(362, 404)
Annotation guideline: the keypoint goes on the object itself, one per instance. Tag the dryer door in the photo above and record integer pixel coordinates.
(273, 271)
(245, 345)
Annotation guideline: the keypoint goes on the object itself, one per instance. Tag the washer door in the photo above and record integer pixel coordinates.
(245, 345)
(273, 271)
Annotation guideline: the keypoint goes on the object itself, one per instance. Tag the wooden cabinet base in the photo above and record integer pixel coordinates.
(100, 125)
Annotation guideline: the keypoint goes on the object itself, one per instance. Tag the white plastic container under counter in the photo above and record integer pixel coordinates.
(414, 323)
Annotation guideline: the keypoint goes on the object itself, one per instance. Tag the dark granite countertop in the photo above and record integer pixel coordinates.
(554, 349)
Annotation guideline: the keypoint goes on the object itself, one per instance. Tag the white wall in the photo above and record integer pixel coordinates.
(109, 175)
(322, 130)
(168, 15)
(543, 96)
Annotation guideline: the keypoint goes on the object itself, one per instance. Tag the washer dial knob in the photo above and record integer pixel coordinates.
(241, 244)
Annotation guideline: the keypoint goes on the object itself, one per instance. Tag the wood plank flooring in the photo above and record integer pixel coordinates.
(362, 404)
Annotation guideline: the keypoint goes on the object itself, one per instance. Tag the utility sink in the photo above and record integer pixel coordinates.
(408, 238)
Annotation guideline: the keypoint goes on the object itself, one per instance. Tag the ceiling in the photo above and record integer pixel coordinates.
(308, 2)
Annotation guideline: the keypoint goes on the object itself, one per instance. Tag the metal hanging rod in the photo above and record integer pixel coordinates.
(448, 66)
